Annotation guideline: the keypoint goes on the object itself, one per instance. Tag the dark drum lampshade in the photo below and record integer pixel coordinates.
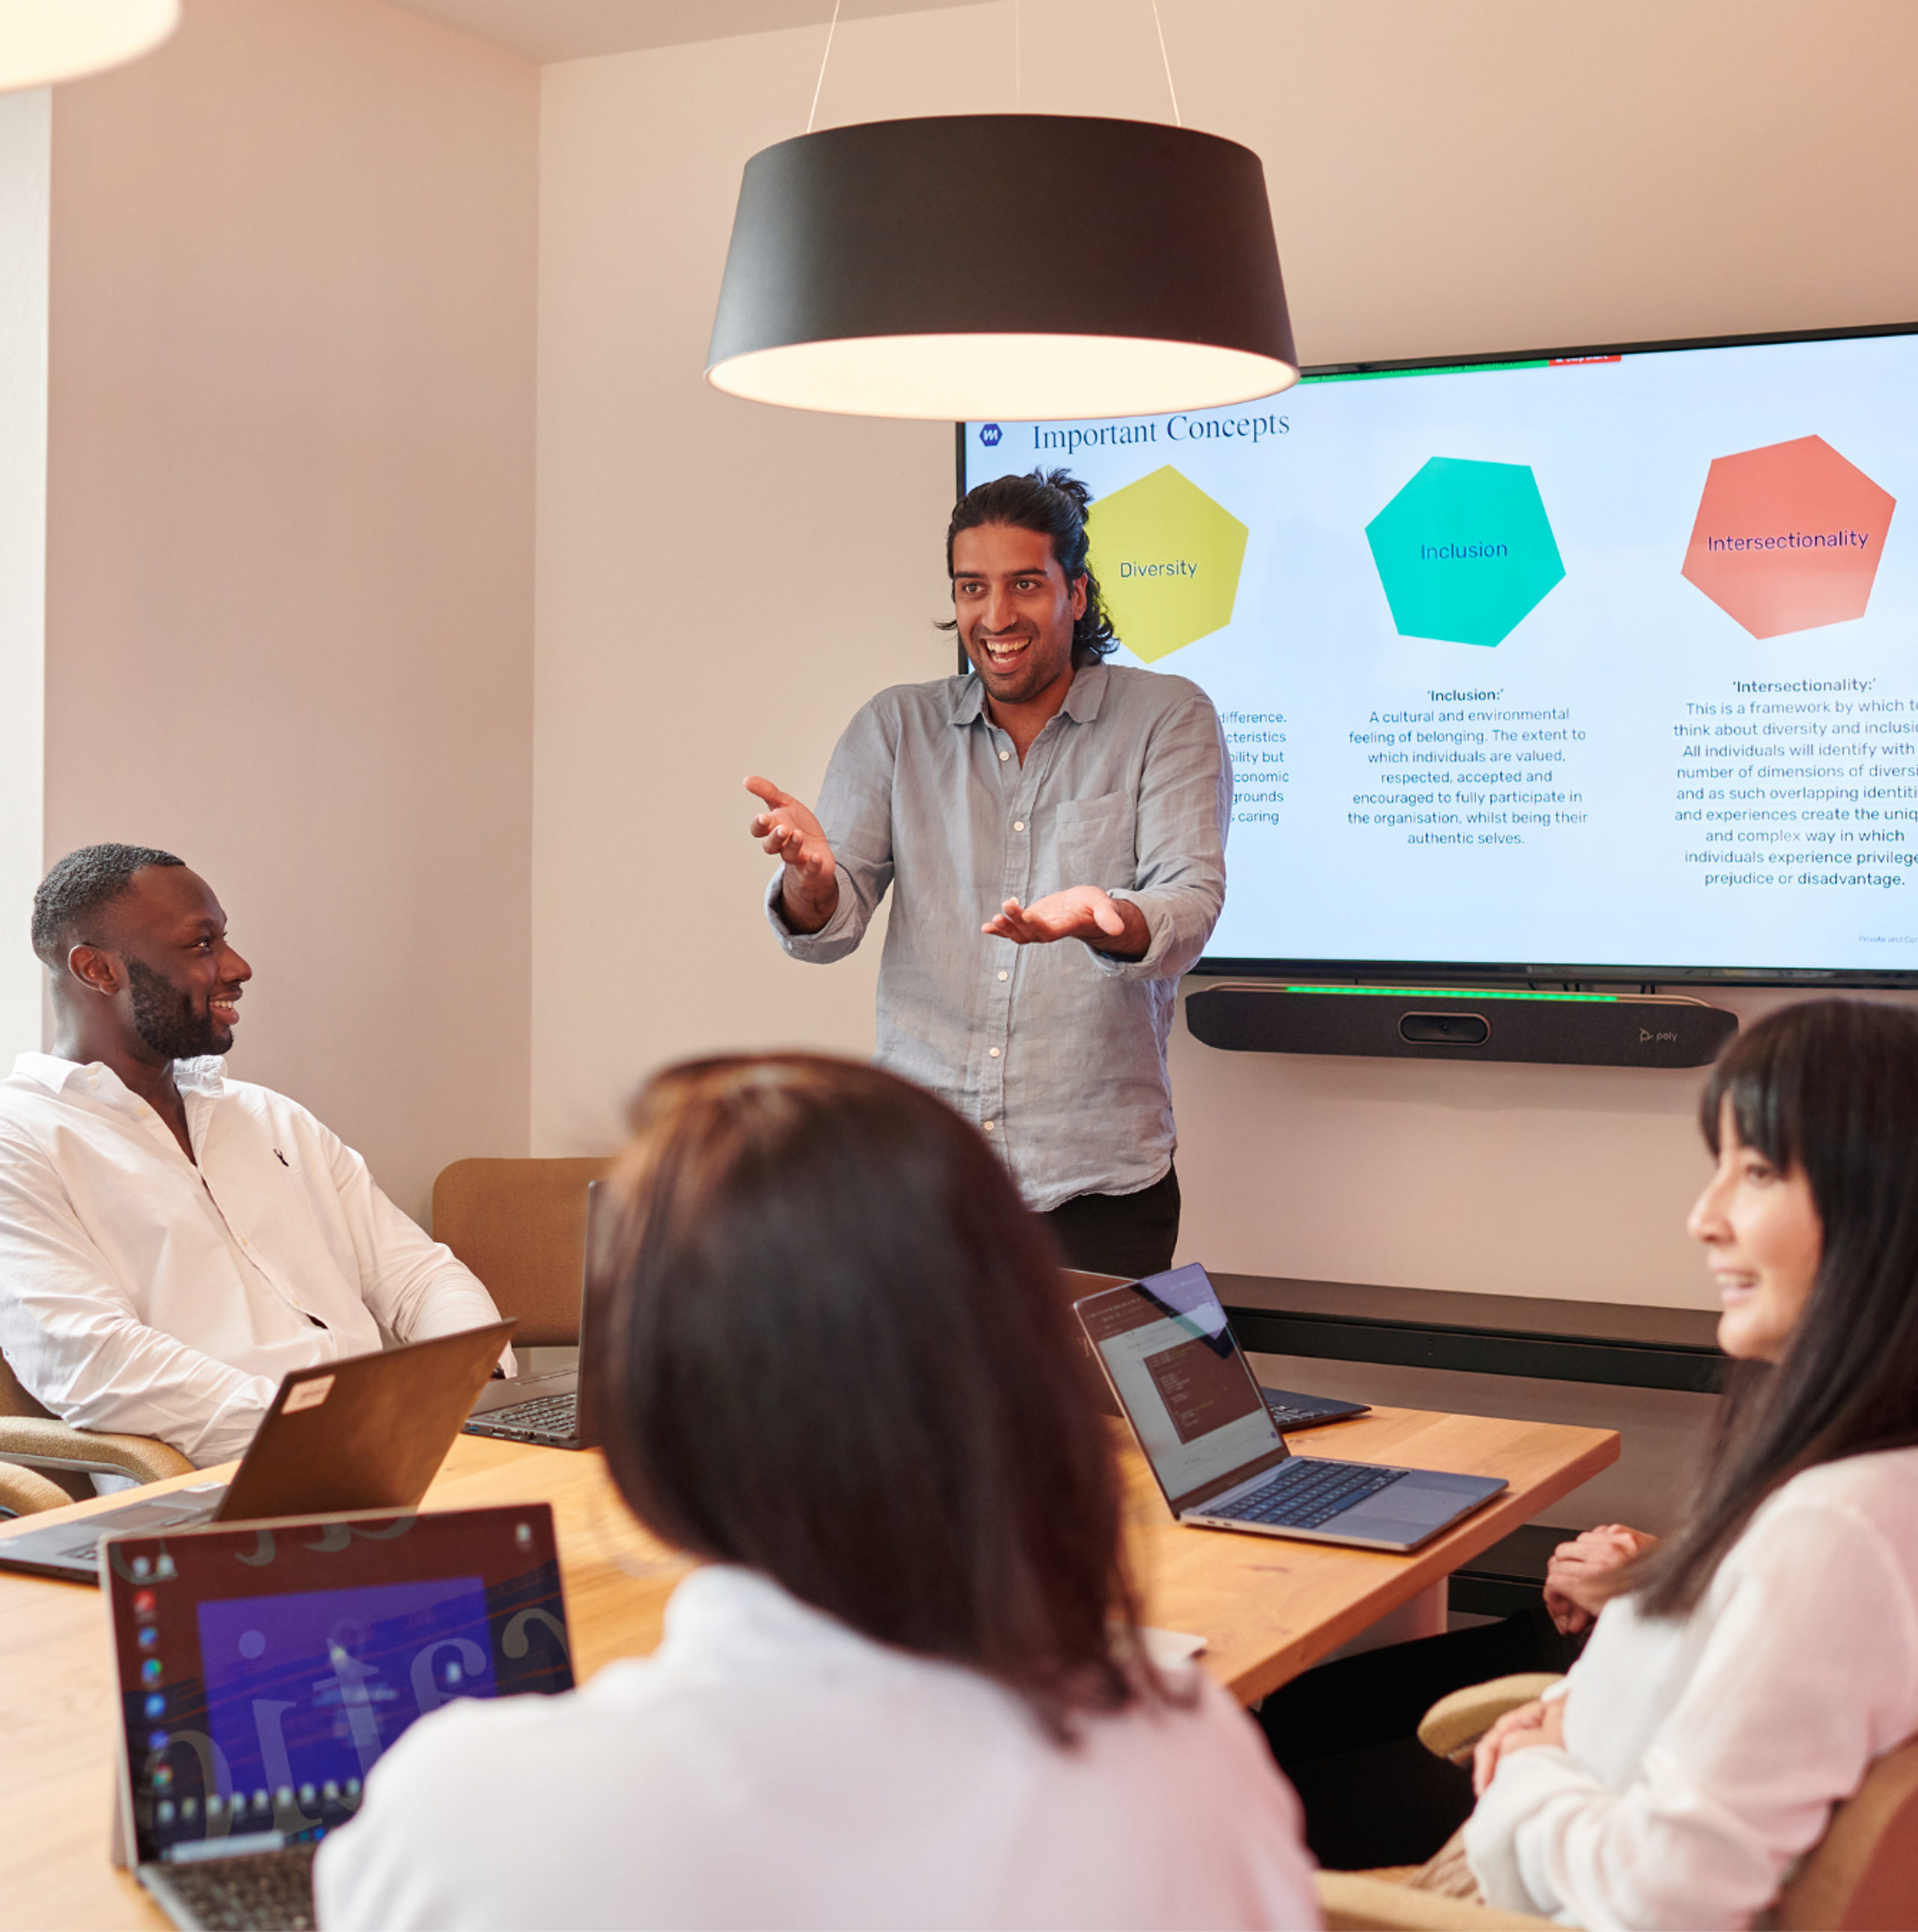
(1022, 265)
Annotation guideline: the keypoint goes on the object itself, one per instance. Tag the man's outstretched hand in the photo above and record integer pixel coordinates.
(809, 893)
(1107, 924)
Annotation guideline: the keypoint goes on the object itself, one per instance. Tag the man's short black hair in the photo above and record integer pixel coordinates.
(1053, 503)
(72, 894)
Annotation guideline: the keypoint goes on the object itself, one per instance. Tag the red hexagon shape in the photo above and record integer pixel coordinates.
(1788, 537)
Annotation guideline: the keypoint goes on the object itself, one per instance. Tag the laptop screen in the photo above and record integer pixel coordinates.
(1185, 1386)
(265, 1668)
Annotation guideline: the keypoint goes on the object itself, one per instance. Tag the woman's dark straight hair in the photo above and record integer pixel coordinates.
(1053, 503)
(839, 1352)
(1830, 1087)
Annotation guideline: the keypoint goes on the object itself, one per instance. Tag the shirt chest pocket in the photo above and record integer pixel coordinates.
(1096, 838)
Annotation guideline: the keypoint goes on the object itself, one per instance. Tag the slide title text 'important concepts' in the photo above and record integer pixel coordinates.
(1181, 428)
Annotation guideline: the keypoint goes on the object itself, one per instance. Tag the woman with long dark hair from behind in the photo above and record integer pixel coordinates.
(1749, 1670)
(906, 1687)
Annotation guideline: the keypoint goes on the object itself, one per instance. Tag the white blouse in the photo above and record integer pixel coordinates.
(1703, 1755)
(769, 1767)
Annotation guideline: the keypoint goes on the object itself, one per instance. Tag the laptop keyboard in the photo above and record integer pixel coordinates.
(1307, 1492)
(549, 1418)
(166, 1514)
(257, 1891)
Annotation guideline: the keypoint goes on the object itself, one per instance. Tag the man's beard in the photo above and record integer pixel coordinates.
(164, 1019)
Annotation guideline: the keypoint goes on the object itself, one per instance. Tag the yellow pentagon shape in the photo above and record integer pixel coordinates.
(1167, 559)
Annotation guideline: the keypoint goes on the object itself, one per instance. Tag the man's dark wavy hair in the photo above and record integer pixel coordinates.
(73, 894)
(1053, 503)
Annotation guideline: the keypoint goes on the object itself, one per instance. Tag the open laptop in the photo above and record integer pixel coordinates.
(263, 1669)
(1290, 1410)
(547, 1409)
(368, 1432)
(1189, 1393)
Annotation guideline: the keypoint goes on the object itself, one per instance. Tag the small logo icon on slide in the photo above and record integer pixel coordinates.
(990, 434)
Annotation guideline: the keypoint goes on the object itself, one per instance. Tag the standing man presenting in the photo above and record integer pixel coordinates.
(1053, 828)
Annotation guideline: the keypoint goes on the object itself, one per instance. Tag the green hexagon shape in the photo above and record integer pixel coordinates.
(1167, 559)
(1464, 551)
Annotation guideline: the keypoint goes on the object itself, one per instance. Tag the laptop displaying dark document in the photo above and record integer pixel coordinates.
(1220, 1461)
(369, 1432)
(264, 1669)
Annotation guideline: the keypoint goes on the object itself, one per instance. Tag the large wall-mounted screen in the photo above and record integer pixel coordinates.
(1598, 664)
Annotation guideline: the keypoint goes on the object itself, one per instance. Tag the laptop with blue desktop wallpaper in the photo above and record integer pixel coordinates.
(262, 1670)
(1176, 1371)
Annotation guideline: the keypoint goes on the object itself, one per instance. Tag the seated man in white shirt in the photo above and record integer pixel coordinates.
(172, 1242)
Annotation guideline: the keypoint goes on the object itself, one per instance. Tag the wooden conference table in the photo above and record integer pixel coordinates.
(1268, 1608)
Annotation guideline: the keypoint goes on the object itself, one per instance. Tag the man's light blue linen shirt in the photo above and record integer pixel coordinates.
(1057, 1053)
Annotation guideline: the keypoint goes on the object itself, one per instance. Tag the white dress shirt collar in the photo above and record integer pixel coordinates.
(203, 1075)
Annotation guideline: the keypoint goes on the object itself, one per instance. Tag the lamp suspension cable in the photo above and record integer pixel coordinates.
(1178, 119)
(1017, 98)
(832, 27)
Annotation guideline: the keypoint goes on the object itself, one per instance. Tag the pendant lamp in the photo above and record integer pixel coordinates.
(42, 41)
(1022, 265)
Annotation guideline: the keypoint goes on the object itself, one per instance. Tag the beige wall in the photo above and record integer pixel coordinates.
(289, 569)
(721, 585)
(25, 141)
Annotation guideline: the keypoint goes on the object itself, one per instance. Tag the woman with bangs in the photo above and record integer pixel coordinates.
(1745, 1672)
(905, 1684)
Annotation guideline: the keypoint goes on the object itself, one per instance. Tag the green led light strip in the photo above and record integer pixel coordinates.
(1455, 993)
(1443, 369)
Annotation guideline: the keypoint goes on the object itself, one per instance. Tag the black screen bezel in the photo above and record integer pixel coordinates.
(1543, 973)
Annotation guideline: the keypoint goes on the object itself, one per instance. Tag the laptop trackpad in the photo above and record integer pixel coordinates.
(1409, 1509)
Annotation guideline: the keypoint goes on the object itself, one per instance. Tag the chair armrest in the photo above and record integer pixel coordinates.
(42, 1442)
(24, 1493)
(1457, 1721)
(1357, 1902)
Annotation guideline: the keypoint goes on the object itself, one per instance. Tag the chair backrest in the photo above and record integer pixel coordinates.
(14, 1399)
(520, 1226)
(1862, 1875)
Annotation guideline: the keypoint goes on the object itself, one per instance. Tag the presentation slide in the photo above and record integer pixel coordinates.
(1597, 661)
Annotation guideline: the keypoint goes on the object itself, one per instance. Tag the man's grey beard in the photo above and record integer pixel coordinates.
(164, 1019)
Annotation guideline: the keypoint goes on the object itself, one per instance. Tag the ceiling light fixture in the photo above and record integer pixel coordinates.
(43, 41)
(1022, 265)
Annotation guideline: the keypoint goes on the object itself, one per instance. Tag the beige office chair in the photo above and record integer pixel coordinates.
(32, 1441)
(24, 1491)
(1861, 1877)
(520, 1226)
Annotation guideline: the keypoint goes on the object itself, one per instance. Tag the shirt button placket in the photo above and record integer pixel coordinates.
(1017, 884)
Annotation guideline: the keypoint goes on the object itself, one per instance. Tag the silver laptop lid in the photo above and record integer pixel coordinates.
(1189, 1393)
